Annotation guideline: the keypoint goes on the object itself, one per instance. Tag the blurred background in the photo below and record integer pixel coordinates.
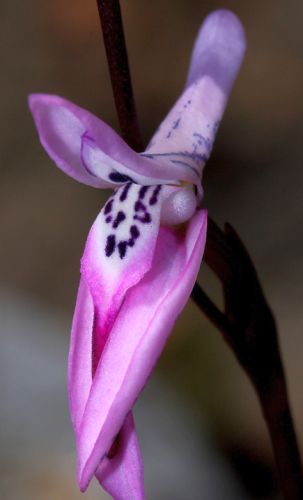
(199, 421)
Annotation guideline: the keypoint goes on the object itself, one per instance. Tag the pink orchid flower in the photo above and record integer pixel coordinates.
(143, 251)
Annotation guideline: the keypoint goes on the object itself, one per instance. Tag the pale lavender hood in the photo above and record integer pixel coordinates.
(218, 50)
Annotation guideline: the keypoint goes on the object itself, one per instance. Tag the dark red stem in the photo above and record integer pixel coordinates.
(114, 41)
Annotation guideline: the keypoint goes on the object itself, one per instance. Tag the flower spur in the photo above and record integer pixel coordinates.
(143, 251)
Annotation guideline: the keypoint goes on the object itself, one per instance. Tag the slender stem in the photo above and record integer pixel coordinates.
(249, 329)
(247, 325)
(210, 309)
(272, 393)
(277, 414)
(114, 41)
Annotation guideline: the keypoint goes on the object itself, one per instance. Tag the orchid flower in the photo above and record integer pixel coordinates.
(143, 251)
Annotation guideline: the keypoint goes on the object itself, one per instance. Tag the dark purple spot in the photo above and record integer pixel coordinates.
(117, 177)
(110, 245)
(124, 244)
(134, 231)
(145, 218)
(139, 206)
(108, 207)
(143, 192)
(124, 193)
(108, 219)
(154, 197)
(119, 218)
(122, 248)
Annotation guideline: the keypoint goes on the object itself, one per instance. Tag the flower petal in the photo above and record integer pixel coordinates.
(136, 340)
(88, 150)
(186, 135)
(122, 475)
(80, 354)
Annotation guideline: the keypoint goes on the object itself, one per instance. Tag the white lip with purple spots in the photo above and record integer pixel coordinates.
(127, 215)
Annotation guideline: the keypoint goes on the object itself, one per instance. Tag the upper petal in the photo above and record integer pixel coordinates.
(219, 49)
(88, 150)
(186, 135)
(136, 340)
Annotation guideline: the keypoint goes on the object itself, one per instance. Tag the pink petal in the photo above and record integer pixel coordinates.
(186, 135)
(137, 338)
(88, 150)
(107, 274)
(122, 475)
(80, 354)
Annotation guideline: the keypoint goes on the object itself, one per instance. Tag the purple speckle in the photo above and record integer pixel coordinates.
(108, 207)
(143, 192)
(119, 218)
(139, 206)
(134, 231)
(145, 218)
(122, 249)
(117, 177)
(176, 123)
(125, 191)
(108, 219)
(110, 245)
(122, 246)
(154, 197)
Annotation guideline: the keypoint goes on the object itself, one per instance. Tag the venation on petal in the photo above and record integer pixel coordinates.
(182, 140)
(186, 135)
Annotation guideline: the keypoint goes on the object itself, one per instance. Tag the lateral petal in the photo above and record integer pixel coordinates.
(122, 474)
(137, 338)
(187, 133)
(80, 354)
(88, 150)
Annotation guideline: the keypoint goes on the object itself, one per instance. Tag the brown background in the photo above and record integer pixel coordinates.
(253, 180)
